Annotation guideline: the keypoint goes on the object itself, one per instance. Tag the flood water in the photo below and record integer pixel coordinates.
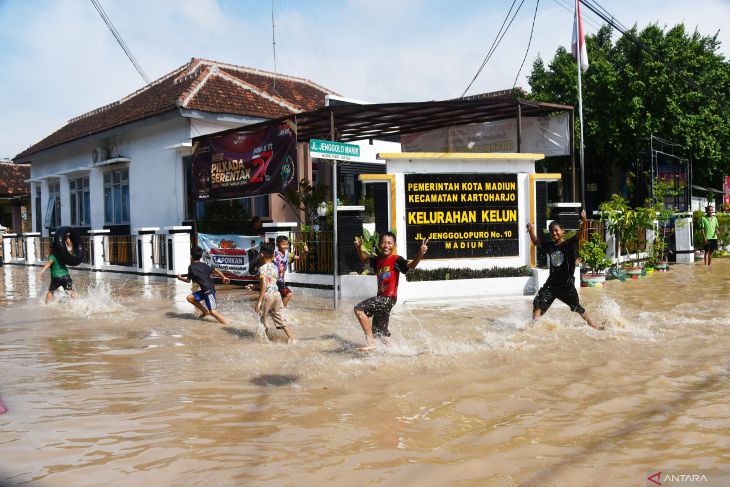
(123, 386)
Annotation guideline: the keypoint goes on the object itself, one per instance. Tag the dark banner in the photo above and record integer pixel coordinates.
(240, 164)
(463, 215)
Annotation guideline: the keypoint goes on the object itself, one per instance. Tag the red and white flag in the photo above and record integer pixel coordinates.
(579, 41)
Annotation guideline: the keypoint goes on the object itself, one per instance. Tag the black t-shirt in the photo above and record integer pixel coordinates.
(562, 260)
(200, 273)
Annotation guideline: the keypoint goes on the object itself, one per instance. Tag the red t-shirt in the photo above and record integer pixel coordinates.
(388, 270)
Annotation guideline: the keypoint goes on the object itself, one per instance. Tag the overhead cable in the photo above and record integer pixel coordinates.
(496, 42)
(119, 39)
(532, 29)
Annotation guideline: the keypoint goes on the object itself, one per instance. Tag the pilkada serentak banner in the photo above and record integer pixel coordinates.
(231, 254)
(238, 164)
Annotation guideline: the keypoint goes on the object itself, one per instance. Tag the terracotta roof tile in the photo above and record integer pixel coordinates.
(12, 179)
(221, 95)
(199, 85)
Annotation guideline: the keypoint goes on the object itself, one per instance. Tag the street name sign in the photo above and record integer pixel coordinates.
(327, 149)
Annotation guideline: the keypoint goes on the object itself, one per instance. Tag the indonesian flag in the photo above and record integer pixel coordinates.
(579, 40)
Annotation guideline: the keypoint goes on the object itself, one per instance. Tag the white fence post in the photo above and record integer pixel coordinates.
(97, 260)
(683, 240)
(144, 248)
(8, 240)
(178, 249)
(30, 241)
(4, 254)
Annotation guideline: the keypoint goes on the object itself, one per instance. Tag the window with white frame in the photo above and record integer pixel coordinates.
(54, 195)
(116, 197)
(80, 201)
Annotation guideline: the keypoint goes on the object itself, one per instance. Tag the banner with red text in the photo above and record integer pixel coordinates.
(237, 164)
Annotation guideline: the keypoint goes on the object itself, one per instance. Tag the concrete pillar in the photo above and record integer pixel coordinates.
(96, 196)
(144, 248)
(65, 201)
(7, 242)
(44, 205)
(178, 249)
(683, 240)
(96, 242)
(30, 242)
(2, 246)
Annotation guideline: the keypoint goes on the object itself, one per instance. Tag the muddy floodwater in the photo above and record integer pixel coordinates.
(124, 386)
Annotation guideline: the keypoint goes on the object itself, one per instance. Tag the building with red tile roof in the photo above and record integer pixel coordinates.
(126, 165)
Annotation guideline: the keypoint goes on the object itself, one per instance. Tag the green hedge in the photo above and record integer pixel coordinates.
(448, 273)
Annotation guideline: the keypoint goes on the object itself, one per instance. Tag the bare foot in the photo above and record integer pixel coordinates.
(371, 345)
(292, 341)
(203, 315)
(597, 326)
(385, 340)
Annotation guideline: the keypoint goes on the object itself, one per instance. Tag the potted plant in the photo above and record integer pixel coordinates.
(593, 256)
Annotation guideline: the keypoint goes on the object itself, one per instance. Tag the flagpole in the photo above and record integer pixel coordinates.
(579, 61)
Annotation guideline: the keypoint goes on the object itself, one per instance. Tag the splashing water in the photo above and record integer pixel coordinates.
(97, 299)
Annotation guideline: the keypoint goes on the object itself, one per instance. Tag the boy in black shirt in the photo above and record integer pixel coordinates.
(200, 274)
(561, 282)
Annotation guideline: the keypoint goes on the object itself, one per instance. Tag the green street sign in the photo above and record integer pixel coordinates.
(327, 149)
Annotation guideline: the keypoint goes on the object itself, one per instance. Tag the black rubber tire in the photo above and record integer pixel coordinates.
(77, 246)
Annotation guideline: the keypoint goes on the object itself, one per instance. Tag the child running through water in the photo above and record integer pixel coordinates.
(199, 273)
(388, 267)
(282, 259)
(60, 276)
(269, 303)
(561, 282)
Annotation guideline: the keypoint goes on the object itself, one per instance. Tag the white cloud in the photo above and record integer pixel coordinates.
(59, 60)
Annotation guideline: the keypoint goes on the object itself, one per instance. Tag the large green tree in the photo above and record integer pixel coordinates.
(668, 83)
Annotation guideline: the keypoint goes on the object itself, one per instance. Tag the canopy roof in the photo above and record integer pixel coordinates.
(378, 121)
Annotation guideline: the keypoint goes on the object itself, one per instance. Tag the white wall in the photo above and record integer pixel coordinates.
(155, 173)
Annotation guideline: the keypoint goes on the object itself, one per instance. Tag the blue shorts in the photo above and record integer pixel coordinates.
(208, 299)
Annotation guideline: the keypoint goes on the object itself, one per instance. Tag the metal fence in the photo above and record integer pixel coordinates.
(319, 258)
(159, 251)
(88, 244)
(17, 248)
(43, 247)
(121, 250)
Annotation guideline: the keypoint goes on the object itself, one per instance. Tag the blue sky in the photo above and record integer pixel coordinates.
(58, 59)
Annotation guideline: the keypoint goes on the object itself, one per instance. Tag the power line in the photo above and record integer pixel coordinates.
(571, 10)
(496, 42)
(532, 29)
(119, 39)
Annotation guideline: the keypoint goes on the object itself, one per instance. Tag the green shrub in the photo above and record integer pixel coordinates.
(450, 273)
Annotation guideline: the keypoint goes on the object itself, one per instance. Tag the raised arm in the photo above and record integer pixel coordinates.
(533, 236)
(362, 255)
(421, 252)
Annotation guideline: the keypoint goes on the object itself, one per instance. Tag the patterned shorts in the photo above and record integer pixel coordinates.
(379, 309)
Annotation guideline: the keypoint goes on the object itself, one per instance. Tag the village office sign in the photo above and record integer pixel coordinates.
(462, 215)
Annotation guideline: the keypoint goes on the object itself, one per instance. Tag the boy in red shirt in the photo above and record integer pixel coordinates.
(388, 267)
